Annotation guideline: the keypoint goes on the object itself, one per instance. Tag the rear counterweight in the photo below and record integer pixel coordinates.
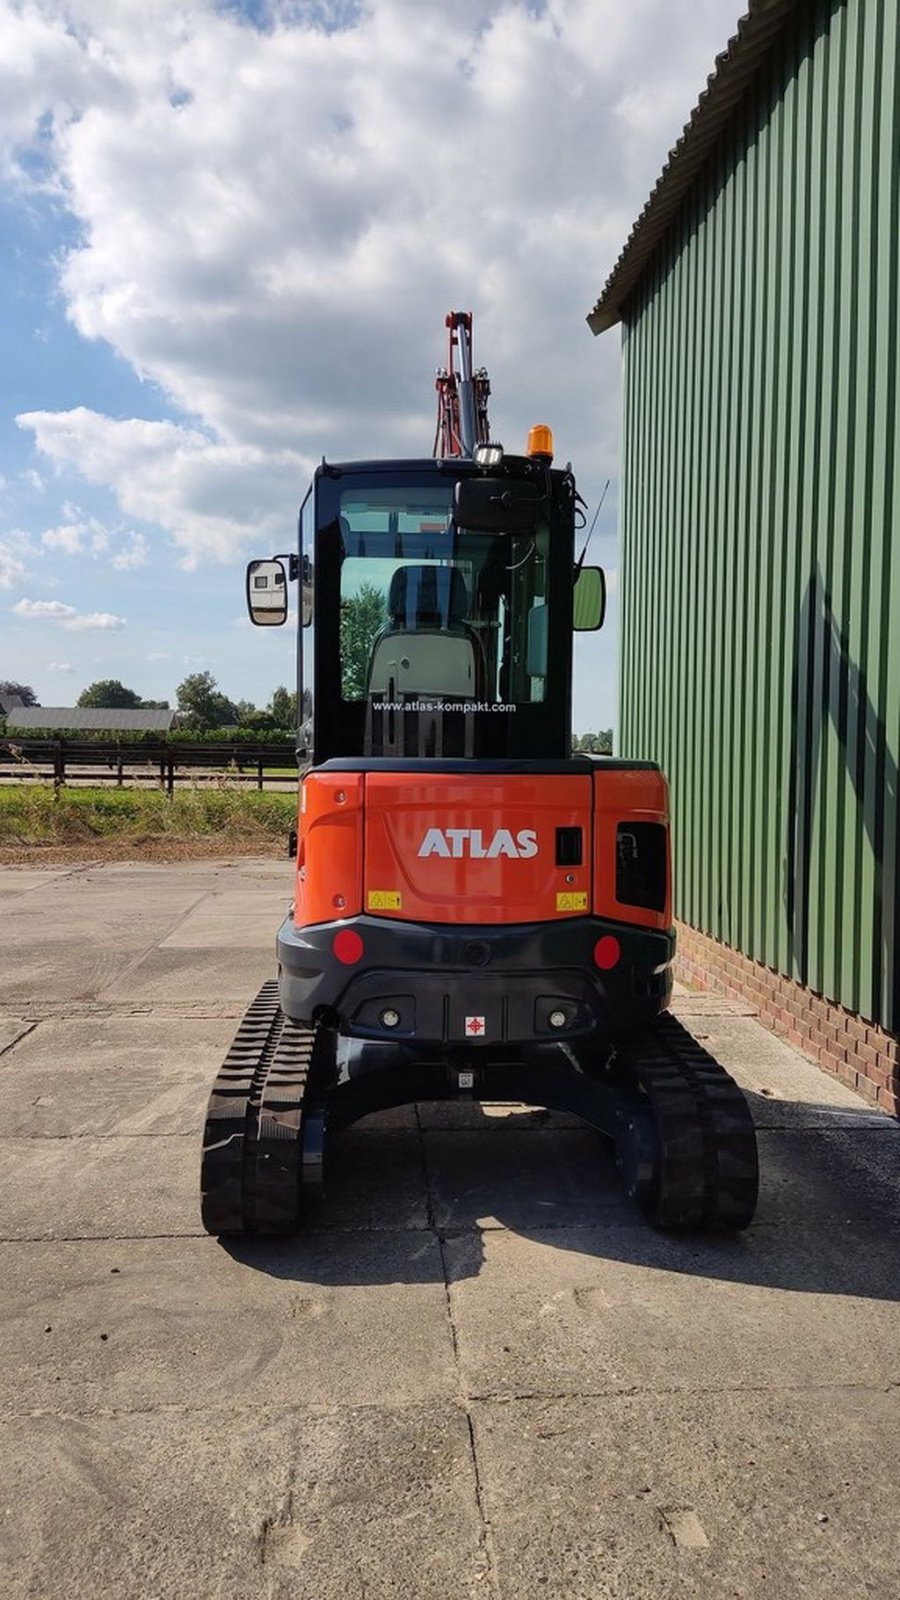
(436, 985)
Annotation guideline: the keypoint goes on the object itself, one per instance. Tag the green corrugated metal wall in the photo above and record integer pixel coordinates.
(761, 517)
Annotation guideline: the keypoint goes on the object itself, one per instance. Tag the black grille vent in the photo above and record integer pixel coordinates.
(641, 865)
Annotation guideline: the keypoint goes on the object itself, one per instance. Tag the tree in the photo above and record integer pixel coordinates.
(598, 744)
(202, 704)
(362, 618)
(256, 722)
(21, 690)
(283, 708)
(109, 694)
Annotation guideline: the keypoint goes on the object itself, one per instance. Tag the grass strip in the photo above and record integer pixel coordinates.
(38, 814)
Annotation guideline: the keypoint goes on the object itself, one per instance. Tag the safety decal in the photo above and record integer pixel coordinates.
(475, 1027)
(383, 900)
(571, 900)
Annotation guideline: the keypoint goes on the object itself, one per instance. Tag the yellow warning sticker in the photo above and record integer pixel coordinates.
(571, 901)
(383, 900)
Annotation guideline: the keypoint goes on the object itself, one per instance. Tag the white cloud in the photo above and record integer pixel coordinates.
(60, 666)
(213, 499)
(12, 568)
(272, 223)
(133, 555)
(67, 616)
(77, 538)
(44, 608)
(67, 538)
(94, 621)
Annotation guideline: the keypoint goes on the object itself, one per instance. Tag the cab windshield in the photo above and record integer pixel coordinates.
(437, 616)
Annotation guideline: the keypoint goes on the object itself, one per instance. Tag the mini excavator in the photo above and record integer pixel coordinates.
(478, 913)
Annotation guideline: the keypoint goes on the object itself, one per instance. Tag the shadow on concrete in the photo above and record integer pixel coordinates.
(826, 1223)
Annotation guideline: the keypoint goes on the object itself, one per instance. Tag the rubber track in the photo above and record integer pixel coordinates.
(252, 1139)
(709, 1169)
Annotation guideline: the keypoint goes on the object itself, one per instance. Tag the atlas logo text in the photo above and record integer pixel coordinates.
(454, 843)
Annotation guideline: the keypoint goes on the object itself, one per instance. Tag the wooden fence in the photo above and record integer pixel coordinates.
(61, 761)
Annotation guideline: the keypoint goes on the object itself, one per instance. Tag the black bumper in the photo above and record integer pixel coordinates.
(475, 986)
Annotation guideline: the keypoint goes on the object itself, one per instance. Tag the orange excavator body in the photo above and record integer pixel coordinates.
(473, 848)
(477, 911)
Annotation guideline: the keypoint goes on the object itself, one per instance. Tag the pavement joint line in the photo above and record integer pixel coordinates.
(243, 1408)
(819, 1129)
(61, 870)
(103, 1010)
(27, 1028)
(489, 1398)
(878, 1123)
(35, 1138)
(177, 922)
(98, 1238)
(441, 1235)
(690, 1391)
(63, 1138)
(485, 1539)
(60, 1138)
(247, 1408)
(201, 1234)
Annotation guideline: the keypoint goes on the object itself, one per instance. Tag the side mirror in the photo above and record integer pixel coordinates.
(496, 505)
(267, 593)
(589, 600)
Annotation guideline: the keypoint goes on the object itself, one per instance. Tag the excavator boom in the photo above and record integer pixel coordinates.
(462, 420)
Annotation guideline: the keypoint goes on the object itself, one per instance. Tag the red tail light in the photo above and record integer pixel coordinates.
(607, 952)
(348, 946)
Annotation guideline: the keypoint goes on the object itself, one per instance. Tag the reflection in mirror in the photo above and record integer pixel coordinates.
(306, 592)
(589, 597)
(267, 593)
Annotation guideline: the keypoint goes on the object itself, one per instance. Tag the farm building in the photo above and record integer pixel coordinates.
(758, 297)
(87, 719)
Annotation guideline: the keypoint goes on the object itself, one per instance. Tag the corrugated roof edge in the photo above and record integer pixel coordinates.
(725, 87)
(86, 718)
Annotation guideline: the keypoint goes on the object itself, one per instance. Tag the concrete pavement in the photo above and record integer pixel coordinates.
(479, 1374)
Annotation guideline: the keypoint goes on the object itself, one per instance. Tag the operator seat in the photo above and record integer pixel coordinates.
(427, 647)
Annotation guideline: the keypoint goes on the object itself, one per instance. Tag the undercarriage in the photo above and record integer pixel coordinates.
(679, 1126)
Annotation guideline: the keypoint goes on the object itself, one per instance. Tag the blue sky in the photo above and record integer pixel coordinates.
(228, 237)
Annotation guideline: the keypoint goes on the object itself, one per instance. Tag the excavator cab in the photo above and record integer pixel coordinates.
(450, 610)
(477, 912)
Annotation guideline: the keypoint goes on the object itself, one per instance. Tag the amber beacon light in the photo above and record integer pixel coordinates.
(540, 442)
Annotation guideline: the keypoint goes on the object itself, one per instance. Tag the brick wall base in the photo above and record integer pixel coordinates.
(860, 1054)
